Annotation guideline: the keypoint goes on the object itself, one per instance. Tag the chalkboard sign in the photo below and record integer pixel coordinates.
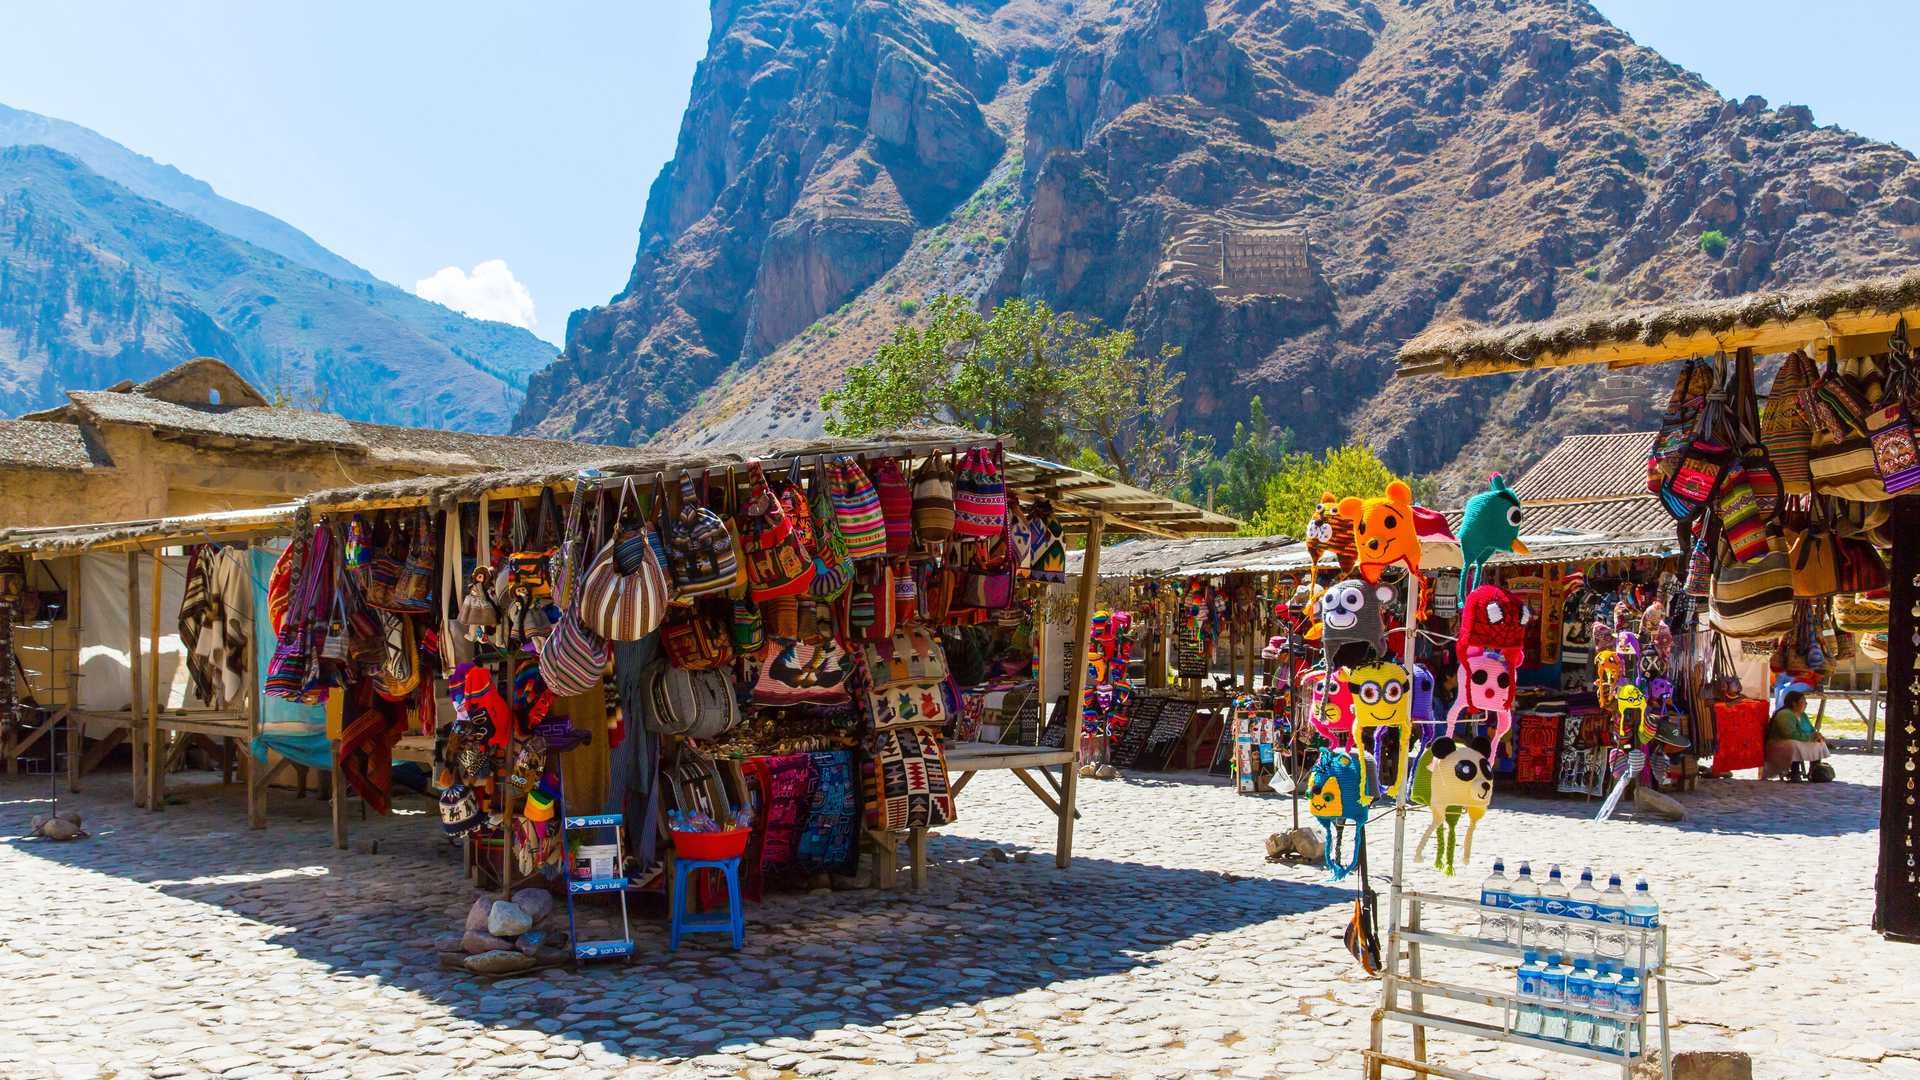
(1168, 729)
(1141, 716)
(1055, 734)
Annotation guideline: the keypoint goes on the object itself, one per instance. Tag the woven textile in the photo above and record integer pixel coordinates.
(907, 780)
(828, 839)
(856, 508)
(788, 777)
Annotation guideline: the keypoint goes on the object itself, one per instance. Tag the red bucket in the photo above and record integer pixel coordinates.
(730, 844)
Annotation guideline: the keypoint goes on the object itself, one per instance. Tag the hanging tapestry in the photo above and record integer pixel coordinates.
(827, 840)
(906, 774)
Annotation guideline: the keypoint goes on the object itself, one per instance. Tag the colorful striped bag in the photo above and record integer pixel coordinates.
(856, 509)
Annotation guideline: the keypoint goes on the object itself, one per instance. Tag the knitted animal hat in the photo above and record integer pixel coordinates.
(1459, 781)
(1327, 531)
(1352, 623)
(1383, 530)
(1493, 619)
(1490, 524)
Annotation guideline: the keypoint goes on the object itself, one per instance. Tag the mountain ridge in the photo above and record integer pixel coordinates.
(99, 284)
(1284, 190)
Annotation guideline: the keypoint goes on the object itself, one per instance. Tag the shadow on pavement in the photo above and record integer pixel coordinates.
(813, 962)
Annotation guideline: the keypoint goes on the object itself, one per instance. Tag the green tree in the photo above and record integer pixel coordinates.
(1294, 490)
(1714, 243)
(1123, 405)
(1238, 478)
(1005, 374)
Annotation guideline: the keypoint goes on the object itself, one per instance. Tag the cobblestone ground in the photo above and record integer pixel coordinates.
(182, 944)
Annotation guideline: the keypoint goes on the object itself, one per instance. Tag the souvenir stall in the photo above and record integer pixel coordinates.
(1198, 641)
(1787, 493)
(772, 648)
(146, 639)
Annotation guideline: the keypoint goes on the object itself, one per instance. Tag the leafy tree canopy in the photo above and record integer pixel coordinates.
(1294, 490)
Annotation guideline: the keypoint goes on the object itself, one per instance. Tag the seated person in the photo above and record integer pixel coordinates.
(1792, 742)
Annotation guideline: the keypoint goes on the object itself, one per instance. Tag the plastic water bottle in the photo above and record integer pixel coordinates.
(1613, 921)
(1583, 942)
(1553, 1000)
(1495, 923)
(1606, 1025)
(1523, 896)
(1629, 996)
(1554, 901)
(1580, 1004)
(1642, 915)
(1526, 991)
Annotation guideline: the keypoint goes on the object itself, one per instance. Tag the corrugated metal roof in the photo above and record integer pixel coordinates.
(1544, 548)
(1588, 467)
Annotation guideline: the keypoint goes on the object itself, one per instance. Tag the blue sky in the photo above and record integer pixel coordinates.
(430, 140)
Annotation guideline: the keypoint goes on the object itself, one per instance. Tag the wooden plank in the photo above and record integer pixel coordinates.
(76, 732)
(917, 857)
(99, 751)
(1077, 687)
(1039, 792)
(338, 796)
(955, 784)
(156, 771)
(258, 777)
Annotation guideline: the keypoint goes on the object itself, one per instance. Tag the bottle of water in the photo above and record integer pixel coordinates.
(1554, 901)
(1553, 1000)
(1580, 1003)
(1613, 921)
(1523, 896)
(1606, 1025)
(1583, 941)
(1495, 922)
(1629, 997)
(1643, 915)
(1526, 991)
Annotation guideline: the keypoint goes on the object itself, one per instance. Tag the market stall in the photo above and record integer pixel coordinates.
(717, 619)
(141, 634)
(1788, 494)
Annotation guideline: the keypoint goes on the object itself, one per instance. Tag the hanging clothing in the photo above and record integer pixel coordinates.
(216, 621)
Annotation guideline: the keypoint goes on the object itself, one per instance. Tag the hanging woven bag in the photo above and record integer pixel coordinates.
(700, 551)
(777, 565)
(933, 501)
(1785, 427)
(979, 498)
(856, 509)
(624, 605)
(896, 505)
(832, 564)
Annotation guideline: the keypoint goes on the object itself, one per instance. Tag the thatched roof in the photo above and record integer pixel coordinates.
(37, 444)
(1076, 495)
(47, 541)
(244, 423)
(1765, 322)
(1171, 558)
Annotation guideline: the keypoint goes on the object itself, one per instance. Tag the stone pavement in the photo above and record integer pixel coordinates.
(182, 944)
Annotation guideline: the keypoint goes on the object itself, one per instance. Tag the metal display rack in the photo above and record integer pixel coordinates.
(1405, 994)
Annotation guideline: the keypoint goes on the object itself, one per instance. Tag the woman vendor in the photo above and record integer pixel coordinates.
(1792, 742)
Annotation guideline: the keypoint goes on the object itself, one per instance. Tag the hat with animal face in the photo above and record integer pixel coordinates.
(1384, 533)
(1329, 531)
(1352, 620)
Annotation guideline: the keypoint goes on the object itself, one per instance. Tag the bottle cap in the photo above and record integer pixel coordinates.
(1586, 875)
(1640, 886)
(1613, 881)
(1531, 957)
(1499, 865)
(1526, 870)
(1553, 959)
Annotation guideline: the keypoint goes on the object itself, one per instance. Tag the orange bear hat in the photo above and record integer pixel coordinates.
(1384, 532)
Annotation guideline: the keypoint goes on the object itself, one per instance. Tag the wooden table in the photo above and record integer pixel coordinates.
(964, 759)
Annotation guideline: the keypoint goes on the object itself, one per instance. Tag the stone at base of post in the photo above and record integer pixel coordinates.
(1700, 1065)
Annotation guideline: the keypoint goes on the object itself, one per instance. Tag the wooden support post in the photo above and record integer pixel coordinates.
(156, 757)
(70, 658)
(136, 729)
(1077, 686)
(338, 794)
(917, 856)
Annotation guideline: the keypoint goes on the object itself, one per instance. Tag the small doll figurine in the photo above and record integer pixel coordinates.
(1333, 797)
(1460, 781)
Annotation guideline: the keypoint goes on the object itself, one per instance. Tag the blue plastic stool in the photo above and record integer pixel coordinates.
(686, 922)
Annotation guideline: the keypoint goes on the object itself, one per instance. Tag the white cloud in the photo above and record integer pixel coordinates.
(489, 292)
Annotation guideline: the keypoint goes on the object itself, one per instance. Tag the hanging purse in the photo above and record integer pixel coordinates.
(1861, 569)
(979, 497)
(777, 565)
(528, 563)
(933, 501)
(1678, 423)
(694, 642)
(1785, 427)
(896, 505)
(700, 550)
(1895, 455)
(1754, 599)
(832, 565)
(856, 508)
(1815, 558)
(624, 606)
(1702, 464)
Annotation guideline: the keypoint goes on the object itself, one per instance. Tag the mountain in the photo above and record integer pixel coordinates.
(165, 184)
(1286, 190)
(101, 282)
